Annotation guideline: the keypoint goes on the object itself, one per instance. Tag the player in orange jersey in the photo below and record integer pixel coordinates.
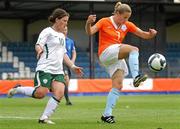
(112, 52)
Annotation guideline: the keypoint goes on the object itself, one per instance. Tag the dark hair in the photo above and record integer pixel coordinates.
(57, 13)
(122, 8)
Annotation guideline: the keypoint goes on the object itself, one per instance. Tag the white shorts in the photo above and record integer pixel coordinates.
(109, 59)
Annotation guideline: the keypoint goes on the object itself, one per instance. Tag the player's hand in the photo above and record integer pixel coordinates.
(91, 19)
(152, 32)
(77, 70)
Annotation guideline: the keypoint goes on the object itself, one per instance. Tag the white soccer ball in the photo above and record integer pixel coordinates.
(156, 62)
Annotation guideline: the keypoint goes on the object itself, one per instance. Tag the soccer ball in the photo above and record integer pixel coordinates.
(156, 62)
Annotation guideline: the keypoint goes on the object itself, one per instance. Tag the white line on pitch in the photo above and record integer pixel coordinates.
(20, 117)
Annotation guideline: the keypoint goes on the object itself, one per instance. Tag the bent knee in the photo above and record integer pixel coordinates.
(40, 93)
(117, 84)
(40, 97)
(59, 95)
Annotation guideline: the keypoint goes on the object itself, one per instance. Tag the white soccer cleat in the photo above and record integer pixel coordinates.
(45, 121)
(13, 91)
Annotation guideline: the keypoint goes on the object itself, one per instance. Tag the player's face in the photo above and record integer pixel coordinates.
(124, 17)
(62, 23)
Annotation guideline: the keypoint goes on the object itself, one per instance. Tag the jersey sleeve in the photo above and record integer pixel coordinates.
(42, 38)
(99, 24)
(132, 27)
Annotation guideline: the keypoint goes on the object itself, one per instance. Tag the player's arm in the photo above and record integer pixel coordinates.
(43, 36)
(39, 51)
(145, 34)
(74, 54)
(90, 30)
(70, 64)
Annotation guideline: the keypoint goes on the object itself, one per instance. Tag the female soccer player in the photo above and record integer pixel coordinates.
(112, 52)
(51, 51)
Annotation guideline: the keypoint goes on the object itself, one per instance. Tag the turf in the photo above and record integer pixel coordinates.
(131, 112)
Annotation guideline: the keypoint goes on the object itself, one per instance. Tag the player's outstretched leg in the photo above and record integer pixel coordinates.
(18, 89)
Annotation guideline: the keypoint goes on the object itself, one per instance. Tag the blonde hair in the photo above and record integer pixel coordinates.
(122, 8)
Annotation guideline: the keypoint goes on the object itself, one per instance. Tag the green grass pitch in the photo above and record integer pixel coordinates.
(131, 112)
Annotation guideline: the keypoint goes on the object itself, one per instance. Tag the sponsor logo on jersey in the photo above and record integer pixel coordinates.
(123, 28)
(45, 81)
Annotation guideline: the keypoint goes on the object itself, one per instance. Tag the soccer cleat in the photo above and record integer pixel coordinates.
(138, 79)
(45, 121)
(108, 119)
(13, 91)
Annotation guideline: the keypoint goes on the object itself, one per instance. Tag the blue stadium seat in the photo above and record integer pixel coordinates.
(7, 67)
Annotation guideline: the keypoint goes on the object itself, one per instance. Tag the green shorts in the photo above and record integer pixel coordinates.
(45, 79)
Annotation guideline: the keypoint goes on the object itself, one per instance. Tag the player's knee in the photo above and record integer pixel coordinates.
(59, 95)
(40, 93)
(117, 84)
(40, 96)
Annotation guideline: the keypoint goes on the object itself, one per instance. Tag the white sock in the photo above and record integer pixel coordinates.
(50, 108)
(25, 90)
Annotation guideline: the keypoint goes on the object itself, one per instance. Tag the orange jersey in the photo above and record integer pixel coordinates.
(109, 35)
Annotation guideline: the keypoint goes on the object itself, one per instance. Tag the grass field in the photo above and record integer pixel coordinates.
(131, 112)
